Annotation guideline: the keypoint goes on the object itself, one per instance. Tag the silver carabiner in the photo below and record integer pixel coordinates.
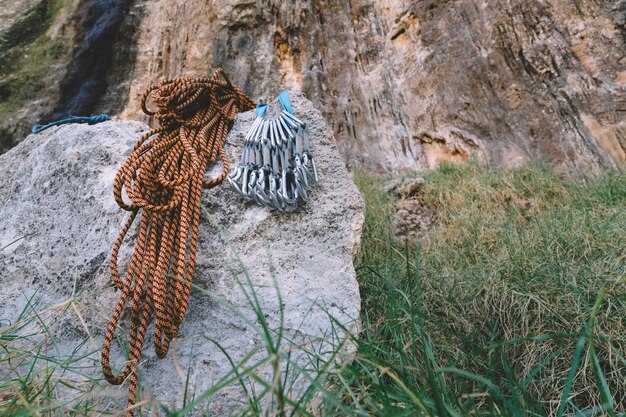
(299, 168)
(251, 190)
(287, 129)
(244, 183)
(292, 117)
(233, 184)
(253, 129)
(307, 160)
(302, 188)
(273, 197)
(237, 174)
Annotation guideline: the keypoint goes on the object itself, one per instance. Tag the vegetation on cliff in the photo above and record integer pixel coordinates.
(27, 58)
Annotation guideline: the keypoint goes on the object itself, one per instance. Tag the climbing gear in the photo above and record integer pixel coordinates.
(276, 164)
(92, 120)
(164, 176)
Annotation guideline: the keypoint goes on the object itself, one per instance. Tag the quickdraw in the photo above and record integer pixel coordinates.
(276, 166)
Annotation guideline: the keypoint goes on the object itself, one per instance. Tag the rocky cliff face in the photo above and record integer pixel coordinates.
(404, 84)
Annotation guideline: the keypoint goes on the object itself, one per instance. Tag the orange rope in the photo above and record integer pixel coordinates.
(164, 176)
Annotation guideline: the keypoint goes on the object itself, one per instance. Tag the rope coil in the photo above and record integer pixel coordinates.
(163, 177)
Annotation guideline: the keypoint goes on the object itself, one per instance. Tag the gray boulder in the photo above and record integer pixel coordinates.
(58, 221)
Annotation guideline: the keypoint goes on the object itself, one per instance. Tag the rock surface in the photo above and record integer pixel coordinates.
(404, 84)
(58, 221)
(412, 218)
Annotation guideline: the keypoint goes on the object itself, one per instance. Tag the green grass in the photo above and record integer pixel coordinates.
(512, 304)
(36, 379)
(502, 288)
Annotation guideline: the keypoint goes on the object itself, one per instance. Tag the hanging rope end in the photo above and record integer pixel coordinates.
(38, 129)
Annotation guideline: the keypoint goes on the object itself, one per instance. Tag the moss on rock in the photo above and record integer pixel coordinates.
(31, 66)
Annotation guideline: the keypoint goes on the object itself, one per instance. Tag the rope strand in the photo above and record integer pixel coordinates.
(163, 177)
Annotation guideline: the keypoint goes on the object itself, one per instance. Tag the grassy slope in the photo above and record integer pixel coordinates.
(502, 287)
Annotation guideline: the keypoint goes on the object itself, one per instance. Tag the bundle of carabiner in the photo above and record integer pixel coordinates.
(276, 166)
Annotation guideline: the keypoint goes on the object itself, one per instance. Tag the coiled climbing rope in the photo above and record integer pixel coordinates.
(163, 177)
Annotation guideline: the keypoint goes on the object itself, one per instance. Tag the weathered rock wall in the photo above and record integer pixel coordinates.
(407, 84)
